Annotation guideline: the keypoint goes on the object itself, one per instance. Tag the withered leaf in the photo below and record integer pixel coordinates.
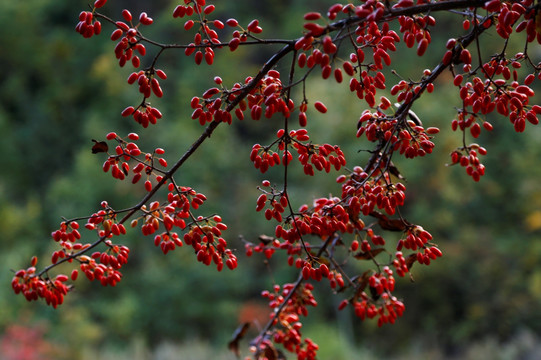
(378, 215)
(271, 353)
(99, 147)
(368, 254)
(387, 164)
(390, 224)
(394, 171)
(361, 282)
(265, 239)
(237, 337)
(374, 294)
(410, 260)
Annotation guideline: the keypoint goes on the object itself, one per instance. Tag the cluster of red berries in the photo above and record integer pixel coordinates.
(67, 236)
(206, 38)
(470, 160)
(326, 217)
(203, 234)
(379, 302)
(509, 14)
(287, 321)
(148, 83)
(34, 287)
(88, 26)
(127, 151)
(128, 37)
(277, 207)
(209, 246)
(484, 97)
(416, 237)
(144, 114)
(210, 110)
(264, 99)
(106, 271)
(321, 157)
(415, 28)
(390, 309)
(408, 138)
(364, 193)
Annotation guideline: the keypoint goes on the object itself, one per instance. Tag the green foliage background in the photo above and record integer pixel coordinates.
(58, 91)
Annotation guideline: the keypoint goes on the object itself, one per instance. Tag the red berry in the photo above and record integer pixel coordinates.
(97, 27)
(133, 136)
(232, 23)
(465, 56)
(421, 48)
(320, 107)
(126, 15)
(343, 304)
(198, 57)
(156, 89)
(161, 74)
(128, 111)
(208, 9)
(311, 16)
(74, 274)
(117, 34)
(148, 185)
(145, 19)
(99, 3)
(188, 24)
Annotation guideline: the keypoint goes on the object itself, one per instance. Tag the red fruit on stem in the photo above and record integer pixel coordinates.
(320, 107)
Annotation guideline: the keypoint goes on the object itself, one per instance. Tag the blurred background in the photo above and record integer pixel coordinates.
(58, 91)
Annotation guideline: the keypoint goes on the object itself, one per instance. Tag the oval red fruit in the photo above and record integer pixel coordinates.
(127, 111)
(148, 185)
(421, 48)
(99, 3)
(126, 14)
(320, 107)
(74, 274)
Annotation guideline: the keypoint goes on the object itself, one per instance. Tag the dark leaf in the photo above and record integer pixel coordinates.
(390, 224)
(281, 355)
(368, 255)
(410, 260)
(271, 353)
(361, 282)
(265, 239)
(237, 336)
(374, 294)
(394, 171)
(99, 147)
(388, 165)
